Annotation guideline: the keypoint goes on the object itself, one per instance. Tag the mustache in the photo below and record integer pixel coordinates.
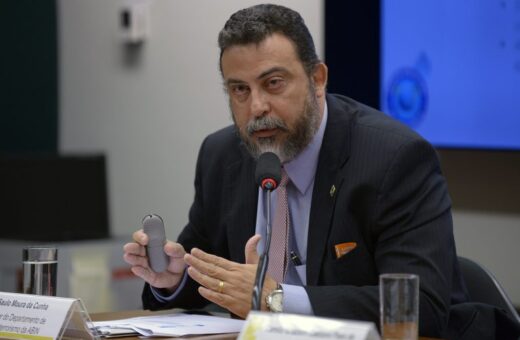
(265, 123)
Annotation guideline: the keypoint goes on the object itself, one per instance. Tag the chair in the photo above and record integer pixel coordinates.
(483, 287)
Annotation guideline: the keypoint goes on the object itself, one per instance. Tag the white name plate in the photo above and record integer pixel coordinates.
(36, 317)
(267, 326)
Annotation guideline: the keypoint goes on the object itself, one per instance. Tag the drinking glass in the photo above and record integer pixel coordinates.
(40, 268)
(399, 306)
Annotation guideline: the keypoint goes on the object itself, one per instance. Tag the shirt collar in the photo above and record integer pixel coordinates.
(302, 168)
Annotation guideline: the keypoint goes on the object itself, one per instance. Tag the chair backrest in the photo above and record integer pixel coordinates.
(484, 287)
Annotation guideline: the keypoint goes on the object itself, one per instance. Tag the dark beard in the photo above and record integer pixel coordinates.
(297, 139)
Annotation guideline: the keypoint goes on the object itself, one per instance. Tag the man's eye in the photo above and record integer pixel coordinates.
(239, 90)
(275, 83)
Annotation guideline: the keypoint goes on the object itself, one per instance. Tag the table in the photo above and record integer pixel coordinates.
(134, 313)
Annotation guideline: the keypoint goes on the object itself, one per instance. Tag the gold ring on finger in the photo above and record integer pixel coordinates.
(221, 287)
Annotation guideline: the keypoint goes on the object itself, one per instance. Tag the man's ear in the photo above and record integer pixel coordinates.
(320, 75)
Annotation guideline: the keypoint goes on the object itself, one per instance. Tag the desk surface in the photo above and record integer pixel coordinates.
(134, 313)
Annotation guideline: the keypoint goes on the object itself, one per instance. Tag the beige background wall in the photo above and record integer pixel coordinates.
(148, 108)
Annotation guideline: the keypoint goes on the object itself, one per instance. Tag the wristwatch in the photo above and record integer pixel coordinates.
(274, 301)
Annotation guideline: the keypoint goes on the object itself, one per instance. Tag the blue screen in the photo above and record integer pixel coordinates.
(450, 69)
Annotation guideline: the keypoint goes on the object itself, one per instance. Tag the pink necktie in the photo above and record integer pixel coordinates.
(280, 234)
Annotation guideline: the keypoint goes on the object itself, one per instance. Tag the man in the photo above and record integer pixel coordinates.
(365, 194)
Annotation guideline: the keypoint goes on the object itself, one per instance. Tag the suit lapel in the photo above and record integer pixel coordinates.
(328, 179)
(242, 202)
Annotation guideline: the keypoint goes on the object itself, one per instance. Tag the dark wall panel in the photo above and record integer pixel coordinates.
(352, 48)
(28, 77)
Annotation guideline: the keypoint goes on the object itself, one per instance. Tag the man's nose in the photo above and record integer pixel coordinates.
(259, 104)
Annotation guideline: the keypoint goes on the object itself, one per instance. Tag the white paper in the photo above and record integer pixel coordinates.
(173, 325)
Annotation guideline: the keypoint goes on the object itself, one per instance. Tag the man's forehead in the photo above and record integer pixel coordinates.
(275, 53)
(267, 73)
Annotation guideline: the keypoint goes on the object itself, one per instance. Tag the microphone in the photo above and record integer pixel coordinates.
(268, 173)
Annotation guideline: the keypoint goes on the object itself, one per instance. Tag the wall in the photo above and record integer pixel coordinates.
(149, 108)
(485, 187)
(28, 73)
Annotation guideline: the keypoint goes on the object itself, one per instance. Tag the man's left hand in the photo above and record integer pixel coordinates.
(226, 283)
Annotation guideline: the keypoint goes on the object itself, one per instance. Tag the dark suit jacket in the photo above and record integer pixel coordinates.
(391, 199)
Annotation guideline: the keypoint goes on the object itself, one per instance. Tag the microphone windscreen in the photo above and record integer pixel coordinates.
(268, 166)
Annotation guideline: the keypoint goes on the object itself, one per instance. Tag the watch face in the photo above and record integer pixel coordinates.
(275, 301)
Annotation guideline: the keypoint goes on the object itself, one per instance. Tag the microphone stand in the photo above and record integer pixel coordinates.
(263, 262)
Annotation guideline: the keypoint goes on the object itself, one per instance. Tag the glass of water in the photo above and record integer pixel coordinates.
(40, 269)
(399, 306)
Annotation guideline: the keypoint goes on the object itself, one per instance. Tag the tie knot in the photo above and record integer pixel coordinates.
(285, 179)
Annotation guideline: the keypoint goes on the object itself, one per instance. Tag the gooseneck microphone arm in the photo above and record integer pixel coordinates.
(263, 261)
(267, 175)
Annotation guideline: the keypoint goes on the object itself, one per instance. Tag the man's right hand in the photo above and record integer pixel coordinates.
(135, 255)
